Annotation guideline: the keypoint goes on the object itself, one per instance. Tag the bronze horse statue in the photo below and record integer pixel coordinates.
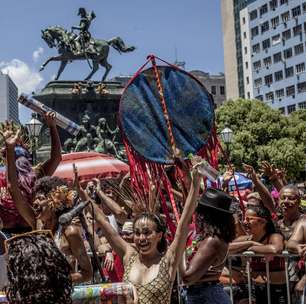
(96, 50)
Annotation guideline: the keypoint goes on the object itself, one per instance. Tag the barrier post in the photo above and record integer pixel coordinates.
(248, 254)
(286, 256)
(268, 281)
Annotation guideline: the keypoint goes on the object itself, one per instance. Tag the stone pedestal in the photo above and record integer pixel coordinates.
(73, 99)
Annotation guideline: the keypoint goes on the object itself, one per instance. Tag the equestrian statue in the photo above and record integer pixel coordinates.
(72, 46)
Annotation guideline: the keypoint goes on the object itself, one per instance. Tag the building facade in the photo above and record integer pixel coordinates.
(8, 99)
(273, 36)
(215, 85)
(233, 63)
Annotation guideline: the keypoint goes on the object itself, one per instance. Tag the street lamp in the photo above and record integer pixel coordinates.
(34, 127)
(227, 137)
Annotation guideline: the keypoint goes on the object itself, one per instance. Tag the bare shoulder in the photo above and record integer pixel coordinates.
(300, 223)
(72, 231)
(302, 219)
(213, 243)
(275, 236)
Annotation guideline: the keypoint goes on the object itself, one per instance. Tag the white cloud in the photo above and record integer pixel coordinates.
(25, 78)
(37, 53)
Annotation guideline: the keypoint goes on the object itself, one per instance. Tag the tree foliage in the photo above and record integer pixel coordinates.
(262, 133)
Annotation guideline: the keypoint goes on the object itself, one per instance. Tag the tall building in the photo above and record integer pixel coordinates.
(8, 99)
(233, 64)
(273, 36)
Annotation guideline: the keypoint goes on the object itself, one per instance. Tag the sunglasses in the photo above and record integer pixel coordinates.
(288, 203)
(249, 218)
(126, 233)
(250, 205)
(288, 198)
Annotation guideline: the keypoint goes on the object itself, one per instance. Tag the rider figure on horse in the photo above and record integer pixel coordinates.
(83, 40)
(81, 46)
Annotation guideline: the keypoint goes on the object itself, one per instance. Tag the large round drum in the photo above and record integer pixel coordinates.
(142, 120)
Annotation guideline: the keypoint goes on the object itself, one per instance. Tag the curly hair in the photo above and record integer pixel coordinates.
(160, 227)
(37, 271)
(46, 184)
(212, 222)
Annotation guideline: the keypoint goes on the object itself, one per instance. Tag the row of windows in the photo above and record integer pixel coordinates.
(292, 108)
(264, 27)
(296, 30)
(276, 39)
(213, 90)
(288, 91)
(279, 56)
(280, 75)
(296, 11)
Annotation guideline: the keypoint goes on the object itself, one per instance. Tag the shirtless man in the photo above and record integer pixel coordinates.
(297, 244)
(289, 202)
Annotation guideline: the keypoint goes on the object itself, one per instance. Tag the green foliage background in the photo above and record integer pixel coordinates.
(261, 133)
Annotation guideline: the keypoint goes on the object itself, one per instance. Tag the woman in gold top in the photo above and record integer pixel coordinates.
(150, 266)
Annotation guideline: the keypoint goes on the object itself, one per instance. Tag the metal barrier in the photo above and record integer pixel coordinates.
(249, 255)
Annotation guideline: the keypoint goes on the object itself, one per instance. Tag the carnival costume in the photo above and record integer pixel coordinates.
(12, 220)
(158, 290)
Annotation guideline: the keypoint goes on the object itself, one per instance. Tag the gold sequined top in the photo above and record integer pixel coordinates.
(158, 290)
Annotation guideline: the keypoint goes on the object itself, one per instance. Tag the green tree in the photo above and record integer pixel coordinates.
(262, 133)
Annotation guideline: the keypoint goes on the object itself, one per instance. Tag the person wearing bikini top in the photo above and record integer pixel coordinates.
(150, 266)
(201, 271)
(263, 239)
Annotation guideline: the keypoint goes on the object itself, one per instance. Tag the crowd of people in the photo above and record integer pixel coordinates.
(41, 259)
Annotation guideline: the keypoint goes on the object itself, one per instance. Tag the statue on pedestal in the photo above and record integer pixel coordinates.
(106, 144)
(81, 142)
(98, 138)
(82, 46)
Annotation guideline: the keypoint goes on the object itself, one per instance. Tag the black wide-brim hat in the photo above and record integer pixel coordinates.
(216, 199)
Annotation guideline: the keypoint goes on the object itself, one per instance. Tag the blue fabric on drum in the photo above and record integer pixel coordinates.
(190, 108)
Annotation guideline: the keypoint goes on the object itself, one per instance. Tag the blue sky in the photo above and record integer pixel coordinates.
(192, 29)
